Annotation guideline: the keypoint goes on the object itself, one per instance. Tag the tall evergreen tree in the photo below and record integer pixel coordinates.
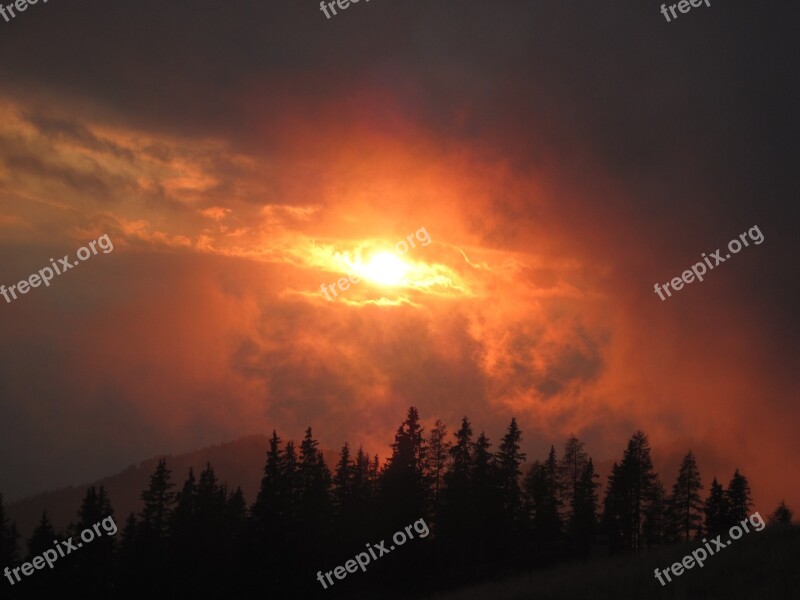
(629, 494)
(270, 501)
(685, 505)
(739, 501)
(404, 490)
(782, 515)
(658, 525)
(509, 459)
(570, 469)
(456, 514)
(542, 488)
(314, 508)
(437, 460)
(42, 537)
(582, 525)
(158, 500)
(717, 510)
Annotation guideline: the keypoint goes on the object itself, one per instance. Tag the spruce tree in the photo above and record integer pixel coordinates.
(437, 460)
(658, 525)
(629, 494)
(570, 469)
(782, 515)
(509, 459)
(583, 523)
(739, 502)
(541, 486)
(42, 537)
(716, 510)
(685, 504)
(158, 500)
(404, 490)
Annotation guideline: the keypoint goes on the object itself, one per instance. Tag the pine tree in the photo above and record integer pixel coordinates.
(404, 490)
(509, 459)
(570, 469)
(483, 507)
(313, 505)
(782, 515)
(629, 494)
(583, 524)
(42, 537)
(542, 488)
(685, 504)
(437, 459)
(158, 500)
(343, 480)
(739, 502)
(270, 502)
(658, 527)
(456, 515)
(717, 510)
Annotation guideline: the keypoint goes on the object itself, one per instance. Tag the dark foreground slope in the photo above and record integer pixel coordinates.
(763, 566)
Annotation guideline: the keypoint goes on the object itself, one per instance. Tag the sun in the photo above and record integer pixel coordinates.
(385, 268)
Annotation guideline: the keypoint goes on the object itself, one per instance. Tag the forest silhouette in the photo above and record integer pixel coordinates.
(488, 518)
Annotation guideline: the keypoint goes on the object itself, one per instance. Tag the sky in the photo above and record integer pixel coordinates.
(559, 159)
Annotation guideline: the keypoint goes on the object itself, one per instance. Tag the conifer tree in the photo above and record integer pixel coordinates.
(782, 515)
(659, 526)
(717, 510)
(158, 500)
(404, 477)
(509, 459)
(583, 522)
(437, 460)
(541, 486)
(629, 494)
(685, 504)
(739, 501)
(42, 537)
(570, 469)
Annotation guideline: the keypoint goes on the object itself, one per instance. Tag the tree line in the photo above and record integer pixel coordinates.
(487, 515)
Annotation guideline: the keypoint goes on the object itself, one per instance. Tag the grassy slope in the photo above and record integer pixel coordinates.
(760, 566)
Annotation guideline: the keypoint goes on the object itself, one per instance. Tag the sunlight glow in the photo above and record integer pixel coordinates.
(385, 268)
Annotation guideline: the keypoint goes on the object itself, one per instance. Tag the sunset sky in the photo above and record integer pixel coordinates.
(563, 158)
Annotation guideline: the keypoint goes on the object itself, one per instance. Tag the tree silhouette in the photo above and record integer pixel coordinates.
(716, 510)
(437, 461)
(404, 493)
(630, 492)
(658, 525)
(570, 469)
(782, 515)
(483, 516)
(685, 504)
(542, 486)
(738, 496)
(582, 525)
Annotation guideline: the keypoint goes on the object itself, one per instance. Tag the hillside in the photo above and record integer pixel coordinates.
(762, 566)
(240, 462)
